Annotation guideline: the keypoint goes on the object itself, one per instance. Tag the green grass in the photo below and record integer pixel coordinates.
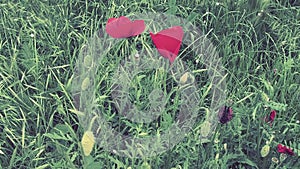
(40, 43)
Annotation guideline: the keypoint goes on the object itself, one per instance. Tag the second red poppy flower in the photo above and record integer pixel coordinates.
(168, 42)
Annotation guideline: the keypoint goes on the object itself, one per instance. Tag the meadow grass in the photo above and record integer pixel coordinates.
(40, 41)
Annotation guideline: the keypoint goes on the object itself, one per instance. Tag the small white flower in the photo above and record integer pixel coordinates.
(297, 121)
(197, 61)
(238, 32)
(32, 35)
(217, 3)
(259, 14)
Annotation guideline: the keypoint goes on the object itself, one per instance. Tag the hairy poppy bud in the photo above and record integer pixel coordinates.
(265, 150)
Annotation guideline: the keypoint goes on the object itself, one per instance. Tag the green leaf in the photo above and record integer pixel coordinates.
(192, 16)
(276, 106)
(289, 64)
(167, 120)
(269, 87)
(43, 166)
(95, 165)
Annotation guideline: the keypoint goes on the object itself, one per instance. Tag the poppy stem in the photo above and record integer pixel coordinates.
(91, 123)
(215, 133)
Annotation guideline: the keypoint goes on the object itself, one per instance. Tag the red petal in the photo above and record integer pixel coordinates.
(225, 114)
(280, 148)
(290, 151)
(168, 42)
(123, 28)
(284, 149)
(272, 115)
(111, 19)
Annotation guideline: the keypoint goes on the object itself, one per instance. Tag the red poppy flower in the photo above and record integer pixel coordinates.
(123, 27)
(271, 117)
(284, 149)
(225, 114)
(168, 42)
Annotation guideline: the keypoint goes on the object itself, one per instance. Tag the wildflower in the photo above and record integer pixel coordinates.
(168, 42)
(123, 27)
(225, 114)
(271, 117)
(284, 149)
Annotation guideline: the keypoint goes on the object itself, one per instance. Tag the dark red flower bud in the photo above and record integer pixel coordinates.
(225, 114)
(271, 117)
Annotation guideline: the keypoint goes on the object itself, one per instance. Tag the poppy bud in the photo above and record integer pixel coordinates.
(275, 160)
(88, 60)
(265, 150)
(271, 117)
(88, 142)
(225, 114)
(184, 78)
(205, 129)
(282, 157)
(85, 83)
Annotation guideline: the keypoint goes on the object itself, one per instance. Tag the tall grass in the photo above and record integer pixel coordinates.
(40, 42)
